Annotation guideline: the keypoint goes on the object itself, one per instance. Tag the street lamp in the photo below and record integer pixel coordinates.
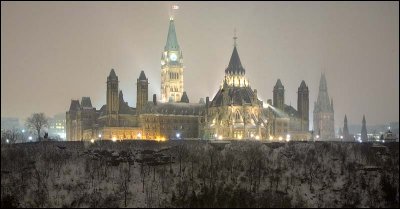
(178, 135)
(30, 138)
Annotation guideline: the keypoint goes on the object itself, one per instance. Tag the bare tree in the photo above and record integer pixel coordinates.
(11, 135)
(36, 122)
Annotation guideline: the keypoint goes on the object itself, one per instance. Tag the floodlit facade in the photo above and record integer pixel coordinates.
(235, 112)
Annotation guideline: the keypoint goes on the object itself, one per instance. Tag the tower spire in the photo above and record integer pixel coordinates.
(172, 41)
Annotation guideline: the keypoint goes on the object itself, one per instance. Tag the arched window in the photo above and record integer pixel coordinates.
(237, 115)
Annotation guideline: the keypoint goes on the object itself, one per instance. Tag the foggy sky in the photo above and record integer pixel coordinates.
(52, 52)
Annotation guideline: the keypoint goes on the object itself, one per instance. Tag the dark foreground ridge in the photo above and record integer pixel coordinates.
(199, 174)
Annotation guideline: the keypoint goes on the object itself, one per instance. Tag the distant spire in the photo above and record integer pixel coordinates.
(323, 103)
(121, 96)
(278, 84)
(322, 83)
(142, 76)
(346, 134)
(112, 75)
(364, 135)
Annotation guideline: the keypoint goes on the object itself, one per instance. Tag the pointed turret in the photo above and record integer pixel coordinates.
(364, 135)
(112, 93)
(303, 105)
(235, 66)
(112, 75)
(172, 41)
(279, 95)
(185, 98)
(142, 76)
(86, 103)
(121, 97)
(323, 103)
(142, 91)
(278, 84)
(346, 134)
(303, 85)
(322, 83)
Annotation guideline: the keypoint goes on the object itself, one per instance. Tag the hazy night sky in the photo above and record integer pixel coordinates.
(52, 52)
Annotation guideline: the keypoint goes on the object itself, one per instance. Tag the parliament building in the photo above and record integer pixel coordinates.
(235, 112)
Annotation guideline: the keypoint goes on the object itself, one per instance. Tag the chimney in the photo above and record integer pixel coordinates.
(154, 99)
(207, 101)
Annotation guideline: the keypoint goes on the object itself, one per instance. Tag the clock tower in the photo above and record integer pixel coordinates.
(171, 68)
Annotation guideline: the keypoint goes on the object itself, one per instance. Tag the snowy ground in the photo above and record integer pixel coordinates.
(200, 174)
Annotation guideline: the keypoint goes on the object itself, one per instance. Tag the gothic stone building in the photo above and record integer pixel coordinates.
(323, 113)
(235, 112)
(174, 117)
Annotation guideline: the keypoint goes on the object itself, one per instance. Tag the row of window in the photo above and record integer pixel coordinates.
(173, 75)
(163, 120)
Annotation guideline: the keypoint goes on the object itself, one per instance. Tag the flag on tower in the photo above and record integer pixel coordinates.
(175, 7)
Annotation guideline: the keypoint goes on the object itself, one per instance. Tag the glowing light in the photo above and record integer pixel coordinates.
(280, 138)
(23, 130)
(175, 7)
(220, 137)
(288, 137)
(257, 137)
(178, 135)
(271, 137)
(251, 135)
(8, 141)
(359, 139)
(139, 135)
(30, 138)
(99, 135)
(341, 137)
(317, 136)
(215, 135)
(92, 140)
(114, 139)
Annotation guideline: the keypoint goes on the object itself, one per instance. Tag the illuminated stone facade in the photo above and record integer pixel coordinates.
(171, 68)
(235, 112)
